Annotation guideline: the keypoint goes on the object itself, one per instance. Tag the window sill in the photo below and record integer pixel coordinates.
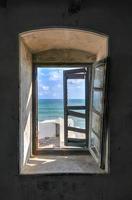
(71, 164)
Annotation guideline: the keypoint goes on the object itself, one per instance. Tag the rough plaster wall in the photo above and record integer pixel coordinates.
(25, 103)
(114, 19)
(64, 56)
(45, 39)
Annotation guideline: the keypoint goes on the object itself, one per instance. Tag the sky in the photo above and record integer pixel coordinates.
(50, 84)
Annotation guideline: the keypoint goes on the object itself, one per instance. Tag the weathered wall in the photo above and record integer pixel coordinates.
(114, 19)
(25, 102)
(63, 56)
(63, 38)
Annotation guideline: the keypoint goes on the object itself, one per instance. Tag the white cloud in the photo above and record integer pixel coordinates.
(39, 82)
(75, 81)
(45, 88)
(59, 85)
(79, 86)
(54, 75)
(40, 94)
(54, 95)
(42, 89)
(42, 73)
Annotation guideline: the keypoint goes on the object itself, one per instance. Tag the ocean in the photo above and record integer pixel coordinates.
(53, 109)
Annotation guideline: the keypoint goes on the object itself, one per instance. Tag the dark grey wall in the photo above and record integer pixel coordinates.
(110, 18)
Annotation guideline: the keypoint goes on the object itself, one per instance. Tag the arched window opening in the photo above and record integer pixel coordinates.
(63, 90)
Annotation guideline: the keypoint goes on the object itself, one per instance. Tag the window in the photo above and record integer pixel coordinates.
(62, 107)
(98, 113)
(70, 109)
(76, 141)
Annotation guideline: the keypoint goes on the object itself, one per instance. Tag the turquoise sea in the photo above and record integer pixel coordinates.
(53, 109)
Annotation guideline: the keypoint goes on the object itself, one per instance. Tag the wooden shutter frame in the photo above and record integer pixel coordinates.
(104, 116)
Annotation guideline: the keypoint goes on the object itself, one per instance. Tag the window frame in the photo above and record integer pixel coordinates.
(104, 116)
(35, 149)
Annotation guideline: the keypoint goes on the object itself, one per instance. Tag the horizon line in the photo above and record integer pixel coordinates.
(57, 99)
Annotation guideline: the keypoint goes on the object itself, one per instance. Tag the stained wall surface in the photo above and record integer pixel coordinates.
(113, 19)
(25, 103)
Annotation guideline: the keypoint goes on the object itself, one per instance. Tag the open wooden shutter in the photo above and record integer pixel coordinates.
(81, 134)
(97, 130)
